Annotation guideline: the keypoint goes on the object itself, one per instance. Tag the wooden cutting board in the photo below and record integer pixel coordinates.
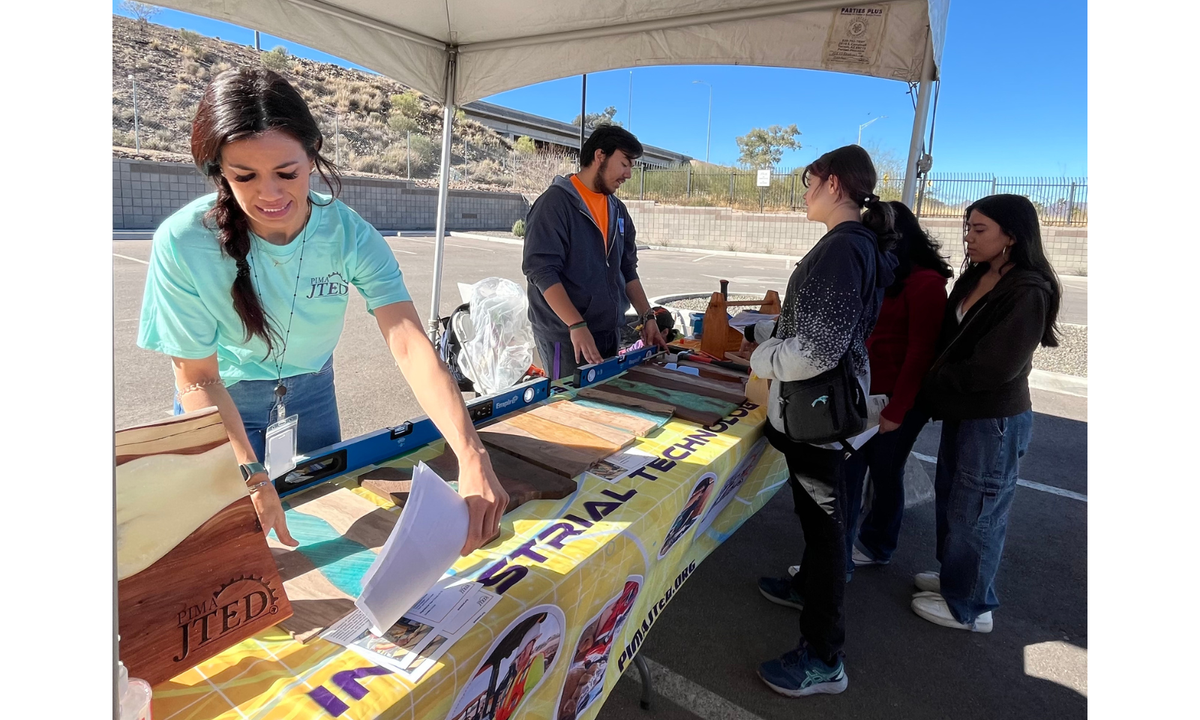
(663, 379)
(727, 385)
(688, 405)
(600, 393)
(713, 371)
(195, 573)
(561, 449)
(521, 480)
(614, 425)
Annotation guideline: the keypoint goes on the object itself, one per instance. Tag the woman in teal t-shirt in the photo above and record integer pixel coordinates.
(247, 293)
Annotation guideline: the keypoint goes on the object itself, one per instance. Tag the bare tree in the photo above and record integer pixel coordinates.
(142, 11)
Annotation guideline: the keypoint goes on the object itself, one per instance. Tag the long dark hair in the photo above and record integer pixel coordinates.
(856, 174)
(239, 104)
(914, 247)
(1018, 219)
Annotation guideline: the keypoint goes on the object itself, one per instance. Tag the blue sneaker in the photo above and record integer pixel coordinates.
(780, 592)
(797, 673)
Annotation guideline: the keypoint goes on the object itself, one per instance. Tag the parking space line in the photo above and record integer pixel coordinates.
(1023, 483)
(688, 695)
(126, 257)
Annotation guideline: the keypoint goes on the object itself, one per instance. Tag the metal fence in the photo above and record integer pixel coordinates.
(1059, 201)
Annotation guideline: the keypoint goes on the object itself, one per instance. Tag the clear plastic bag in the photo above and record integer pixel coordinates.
(496, 337)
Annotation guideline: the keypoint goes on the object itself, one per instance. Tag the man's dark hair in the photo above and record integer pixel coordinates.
(608, 139)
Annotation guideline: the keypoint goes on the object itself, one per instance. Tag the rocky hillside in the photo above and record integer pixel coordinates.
(383, 127)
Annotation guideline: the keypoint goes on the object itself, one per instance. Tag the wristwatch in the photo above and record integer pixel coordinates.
(249, 470)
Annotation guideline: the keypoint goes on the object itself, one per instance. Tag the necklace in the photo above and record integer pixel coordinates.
(278, 355)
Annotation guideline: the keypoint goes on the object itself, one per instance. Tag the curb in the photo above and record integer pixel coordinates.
(789, 259)
(1060, 383)
(485, 238)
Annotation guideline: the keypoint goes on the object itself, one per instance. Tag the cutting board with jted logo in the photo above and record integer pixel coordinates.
(194, 572)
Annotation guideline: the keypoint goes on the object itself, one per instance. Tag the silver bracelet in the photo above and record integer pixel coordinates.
(258, 486)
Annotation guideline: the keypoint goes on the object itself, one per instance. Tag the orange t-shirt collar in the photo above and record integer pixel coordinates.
(597, 203)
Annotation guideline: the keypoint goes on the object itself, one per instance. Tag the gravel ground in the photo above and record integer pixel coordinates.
(700, 304)
(1069, 358)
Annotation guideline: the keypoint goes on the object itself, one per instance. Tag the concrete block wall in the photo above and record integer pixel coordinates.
(146, 193)
(793, 234)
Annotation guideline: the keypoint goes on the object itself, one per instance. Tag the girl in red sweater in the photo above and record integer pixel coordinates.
(901, 349)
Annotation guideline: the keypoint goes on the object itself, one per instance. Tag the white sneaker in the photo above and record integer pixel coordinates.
(934, 609)
(928, 582)
(861, 558)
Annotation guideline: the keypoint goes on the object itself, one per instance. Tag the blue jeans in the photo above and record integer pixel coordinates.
(310, 396)
(974, 489)
(886, 455)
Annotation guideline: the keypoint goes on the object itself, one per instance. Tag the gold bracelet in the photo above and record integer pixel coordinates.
(199, 386)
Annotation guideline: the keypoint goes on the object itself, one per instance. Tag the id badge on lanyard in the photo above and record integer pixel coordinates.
(280, 443)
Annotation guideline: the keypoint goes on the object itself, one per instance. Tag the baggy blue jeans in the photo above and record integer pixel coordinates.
(974, 489)
(310, 396)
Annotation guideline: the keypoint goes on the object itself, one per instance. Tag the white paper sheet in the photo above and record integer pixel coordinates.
(616, 467)
(416, 641)
(423, 545)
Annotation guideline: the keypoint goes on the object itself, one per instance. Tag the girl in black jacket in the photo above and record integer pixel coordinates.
(1004, 304)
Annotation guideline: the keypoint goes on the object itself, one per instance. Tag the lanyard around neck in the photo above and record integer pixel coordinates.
(278, 355)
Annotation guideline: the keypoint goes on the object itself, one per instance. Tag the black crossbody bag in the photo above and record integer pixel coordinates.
(828, 408)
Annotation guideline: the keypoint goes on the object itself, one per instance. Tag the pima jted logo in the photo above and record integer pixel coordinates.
(238, 602)
(331, 285)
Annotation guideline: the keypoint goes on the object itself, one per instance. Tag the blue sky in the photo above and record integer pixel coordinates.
(1013, 98)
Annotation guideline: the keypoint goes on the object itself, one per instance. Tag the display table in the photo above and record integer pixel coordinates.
(581, 580)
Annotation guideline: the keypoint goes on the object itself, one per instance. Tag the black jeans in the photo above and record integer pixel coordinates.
(886, 455)
(821, 580)
(558, 358)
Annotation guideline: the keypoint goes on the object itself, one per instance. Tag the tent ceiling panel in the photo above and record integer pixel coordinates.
(506, 44)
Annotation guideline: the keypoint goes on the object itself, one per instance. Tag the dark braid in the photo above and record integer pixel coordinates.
(233, 233)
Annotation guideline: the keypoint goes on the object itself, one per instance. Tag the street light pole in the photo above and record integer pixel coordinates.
(629, 119)
(860, 128)
(708, 142)
(137, 141)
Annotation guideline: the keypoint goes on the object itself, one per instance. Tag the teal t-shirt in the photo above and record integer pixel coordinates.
(187, 310)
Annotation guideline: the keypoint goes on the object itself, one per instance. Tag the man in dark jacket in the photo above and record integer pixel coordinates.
(580, 259)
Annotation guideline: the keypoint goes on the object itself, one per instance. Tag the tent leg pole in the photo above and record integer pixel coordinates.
(439, 247)
(917, 144)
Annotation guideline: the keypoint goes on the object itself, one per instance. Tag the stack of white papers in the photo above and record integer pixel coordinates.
(424, 544)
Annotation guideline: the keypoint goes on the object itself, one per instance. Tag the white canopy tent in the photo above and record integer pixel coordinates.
(456, 51)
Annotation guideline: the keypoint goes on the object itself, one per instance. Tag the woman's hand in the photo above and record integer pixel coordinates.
(747, 348)
(886, 425)
(270, 510)
(485, 497)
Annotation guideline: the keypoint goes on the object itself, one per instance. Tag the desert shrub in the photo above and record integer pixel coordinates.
(525, 145)
(178, 95)
(277, 59)
(407, 103)
(122, 138)
(425, 152)
(518, 228)
(190, 39)
(402, 124)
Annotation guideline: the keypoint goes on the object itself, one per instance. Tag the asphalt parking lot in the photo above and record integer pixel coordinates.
(705, 648)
